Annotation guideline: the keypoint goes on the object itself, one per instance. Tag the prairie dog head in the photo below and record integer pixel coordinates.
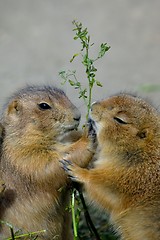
(40, 110)
(126, 124)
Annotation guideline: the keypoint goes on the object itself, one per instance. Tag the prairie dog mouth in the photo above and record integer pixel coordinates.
(71, 127)
(68, 133)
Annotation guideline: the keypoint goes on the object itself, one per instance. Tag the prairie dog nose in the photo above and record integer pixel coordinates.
(93, 105)
(77, 116)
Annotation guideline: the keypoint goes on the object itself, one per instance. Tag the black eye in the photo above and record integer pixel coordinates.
(119, 120)
(44, 106)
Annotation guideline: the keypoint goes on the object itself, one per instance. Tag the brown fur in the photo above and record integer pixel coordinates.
(36, 194)
(125, 180)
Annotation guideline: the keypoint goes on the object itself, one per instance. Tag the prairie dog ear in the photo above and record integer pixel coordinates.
(142, 134)
(14, 108)
(146, 133)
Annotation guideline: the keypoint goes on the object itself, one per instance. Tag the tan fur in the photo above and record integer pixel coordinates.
(37, 192)
(125, 180)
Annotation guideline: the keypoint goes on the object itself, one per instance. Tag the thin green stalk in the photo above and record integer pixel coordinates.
(89, 102)
(26, 235)
(73, 216)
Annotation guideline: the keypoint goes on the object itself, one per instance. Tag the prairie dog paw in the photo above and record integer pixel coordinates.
(71, 169)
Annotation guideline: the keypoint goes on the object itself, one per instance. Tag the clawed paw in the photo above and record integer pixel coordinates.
(69, 168)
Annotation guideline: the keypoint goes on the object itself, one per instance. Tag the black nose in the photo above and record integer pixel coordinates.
(90, 123)
(77, 118)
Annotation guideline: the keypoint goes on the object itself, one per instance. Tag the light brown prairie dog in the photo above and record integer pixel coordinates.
(125, 180)
(38, 122)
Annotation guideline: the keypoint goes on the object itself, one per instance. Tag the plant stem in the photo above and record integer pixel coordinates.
(89, 222)
(89, 102)
(26, 235)
(12, 233)
(89, 79)
(73, 215)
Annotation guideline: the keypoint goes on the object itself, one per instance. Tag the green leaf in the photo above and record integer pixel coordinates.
(72, 83)
(104, 48)
(93, 69)
(62, 72)
(75, 55)
(99, 84)
(77, 85)
(92, 75)
(83, 93)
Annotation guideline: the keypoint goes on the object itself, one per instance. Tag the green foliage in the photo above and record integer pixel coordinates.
(100, 221)
(19, 235)
(69, 76)
(76, 212)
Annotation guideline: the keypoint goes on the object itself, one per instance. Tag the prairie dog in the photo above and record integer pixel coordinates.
(125, 180)
(38, 122)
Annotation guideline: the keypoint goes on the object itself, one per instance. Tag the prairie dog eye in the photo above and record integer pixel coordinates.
(44, 106)
(120, 120)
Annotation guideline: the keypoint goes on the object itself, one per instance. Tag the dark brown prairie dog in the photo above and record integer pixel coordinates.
(38, 122)
(125, 180)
